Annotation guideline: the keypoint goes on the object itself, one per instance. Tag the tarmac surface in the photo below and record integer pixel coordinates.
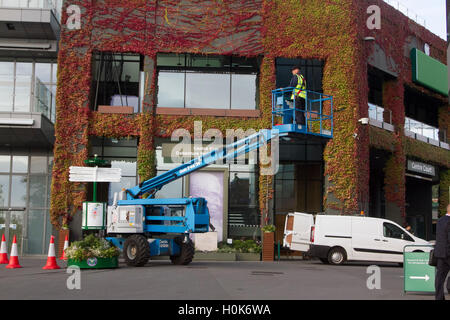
(285, 280)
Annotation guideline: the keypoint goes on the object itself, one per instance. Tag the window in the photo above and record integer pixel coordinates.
(117, 80)
(311, 69)
(207, 81)
(422, 114)
(26, 86)
(120, 153)
(25, 179)
(392, 231)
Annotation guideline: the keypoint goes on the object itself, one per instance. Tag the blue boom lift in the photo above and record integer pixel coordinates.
(144, 226)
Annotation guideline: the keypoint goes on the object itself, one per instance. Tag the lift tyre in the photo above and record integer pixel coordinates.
(136, 250)
(187, 251)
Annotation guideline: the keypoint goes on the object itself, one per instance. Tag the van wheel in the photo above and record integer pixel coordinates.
(337, 256)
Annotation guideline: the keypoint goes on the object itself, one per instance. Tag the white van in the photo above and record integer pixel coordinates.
(337, 239)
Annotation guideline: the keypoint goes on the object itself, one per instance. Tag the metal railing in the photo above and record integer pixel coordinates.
(318, 112)
(407, 12)
(43, 101)
(379, 113)
(54, 5)
(423, 129)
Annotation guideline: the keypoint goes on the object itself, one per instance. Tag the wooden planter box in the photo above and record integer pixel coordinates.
(248, 256)
(95, 263)
(116, 109)
(268, 246)
(214, 256)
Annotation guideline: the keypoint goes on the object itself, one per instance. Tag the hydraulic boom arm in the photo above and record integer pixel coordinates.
(227, 152)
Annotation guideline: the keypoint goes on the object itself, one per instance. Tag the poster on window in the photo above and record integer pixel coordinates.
(209, 185)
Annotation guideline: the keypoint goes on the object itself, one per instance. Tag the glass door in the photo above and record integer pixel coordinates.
(12, 224)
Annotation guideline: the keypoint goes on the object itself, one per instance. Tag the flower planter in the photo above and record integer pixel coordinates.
(268, 246)
(95, 263)
(214, 256)
(248, 256)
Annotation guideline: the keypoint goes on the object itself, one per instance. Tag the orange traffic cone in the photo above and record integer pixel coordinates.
(13, 258)
(66, 245)
(51, 258)
(3, 251)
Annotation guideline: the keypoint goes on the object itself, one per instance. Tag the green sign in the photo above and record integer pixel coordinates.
(418, 275)
(429, 72)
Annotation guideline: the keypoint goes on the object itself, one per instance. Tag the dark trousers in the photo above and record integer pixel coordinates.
(443, 268)
(300, 117)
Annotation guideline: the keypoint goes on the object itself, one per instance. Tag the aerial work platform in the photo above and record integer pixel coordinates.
(318, 114)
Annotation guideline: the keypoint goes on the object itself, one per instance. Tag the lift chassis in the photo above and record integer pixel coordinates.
(143, 226)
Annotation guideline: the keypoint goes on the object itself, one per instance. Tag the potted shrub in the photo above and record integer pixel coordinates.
(247, 250)
(93, 253)
(268, 242)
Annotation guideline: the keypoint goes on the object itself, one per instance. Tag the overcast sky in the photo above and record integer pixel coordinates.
(433, 11)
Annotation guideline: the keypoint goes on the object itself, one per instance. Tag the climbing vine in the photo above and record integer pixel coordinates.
(267, 29)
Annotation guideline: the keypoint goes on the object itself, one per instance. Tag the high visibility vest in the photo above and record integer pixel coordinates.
(299, 90)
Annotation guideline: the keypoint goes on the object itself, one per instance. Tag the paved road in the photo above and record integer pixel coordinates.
(293, 279)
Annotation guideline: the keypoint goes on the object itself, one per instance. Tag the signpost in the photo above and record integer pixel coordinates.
(94, 212)
(418, 274)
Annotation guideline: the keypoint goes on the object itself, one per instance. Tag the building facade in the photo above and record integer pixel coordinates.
(29, 35)
(136, 71)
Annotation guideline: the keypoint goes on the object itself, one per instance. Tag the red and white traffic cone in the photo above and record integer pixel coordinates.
(51, 258)
(66, 245)
(3, 251)
(13, 257)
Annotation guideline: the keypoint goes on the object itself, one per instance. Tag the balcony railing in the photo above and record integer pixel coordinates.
(379, 113)
(407, 12)
(423, 129)
(23, 97)
(54, 5)
(44, 101)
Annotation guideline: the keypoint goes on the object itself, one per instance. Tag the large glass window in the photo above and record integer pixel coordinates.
(4, 190)
(6, 86)
(25, 179)
(117, 79)
(207, 81)
(26, 86)
(311, 69)
(120, 153)
(422, 114)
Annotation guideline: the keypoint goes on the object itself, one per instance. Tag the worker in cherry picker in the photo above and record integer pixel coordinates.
(298, 82)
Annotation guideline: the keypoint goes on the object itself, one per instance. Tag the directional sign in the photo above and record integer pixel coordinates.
(95, 174)
(419, 275)
(426, 278)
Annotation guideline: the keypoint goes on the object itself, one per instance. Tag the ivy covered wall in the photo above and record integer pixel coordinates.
(327, 30)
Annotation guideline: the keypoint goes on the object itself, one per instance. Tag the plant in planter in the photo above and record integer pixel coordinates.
(268, 242)
(92, 253)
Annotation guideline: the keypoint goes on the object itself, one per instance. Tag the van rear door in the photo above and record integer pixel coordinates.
(297, 231)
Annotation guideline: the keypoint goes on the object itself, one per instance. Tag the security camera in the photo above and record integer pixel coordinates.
(364, 120)
(355, 135)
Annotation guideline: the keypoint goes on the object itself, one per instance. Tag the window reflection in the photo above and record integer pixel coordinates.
(207, 90)
(4, 163)
(171, 89)
(207, 81)
(20, 164)
(18, 191)
(4, 190)
(243, 91)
